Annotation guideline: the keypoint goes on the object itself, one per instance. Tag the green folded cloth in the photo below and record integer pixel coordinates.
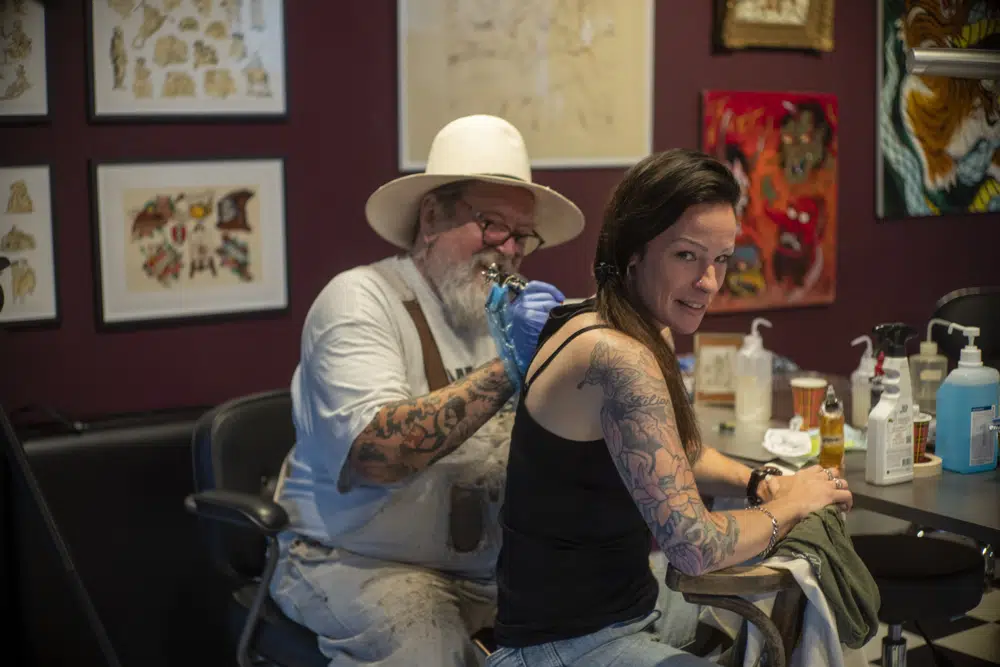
(849, 588)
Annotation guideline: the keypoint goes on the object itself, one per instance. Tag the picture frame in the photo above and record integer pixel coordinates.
(783, 148)
(24, 71)
(179, 241)
(919, 152)
(584, 100)
(775, 24)
(29, 295)
(714, 357)
(186, 61)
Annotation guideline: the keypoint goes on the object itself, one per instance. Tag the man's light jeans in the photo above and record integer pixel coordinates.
(373, 612)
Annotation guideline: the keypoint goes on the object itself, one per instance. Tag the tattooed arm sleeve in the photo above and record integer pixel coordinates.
(638, 423)
(358, 417)
(407, 436)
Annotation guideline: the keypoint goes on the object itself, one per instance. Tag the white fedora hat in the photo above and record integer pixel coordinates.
(479, 147)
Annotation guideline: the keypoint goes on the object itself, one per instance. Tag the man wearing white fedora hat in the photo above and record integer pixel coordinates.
(403, 414)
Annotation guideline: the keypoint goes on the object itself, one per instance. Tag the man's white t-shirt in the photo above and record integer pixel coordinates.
(360, 352)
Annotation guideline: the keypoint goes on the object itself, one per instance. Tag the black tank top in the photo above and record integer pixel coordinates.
(575, 553)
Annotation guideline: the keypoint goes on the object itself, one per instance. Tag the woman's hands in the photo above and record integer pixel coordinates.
(809, 490)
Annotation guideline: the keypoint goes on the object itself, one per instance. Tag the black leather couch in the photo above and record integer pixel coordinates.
(116, 492)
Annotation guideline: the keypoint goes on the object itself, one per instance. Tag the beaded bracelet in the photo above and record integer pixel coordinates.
(774, 530)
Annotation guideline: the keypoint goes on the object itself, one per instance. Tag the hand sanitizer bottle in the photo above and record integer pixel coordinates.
(966, 406)
(928, 370)
(754, 377)
(861, 384)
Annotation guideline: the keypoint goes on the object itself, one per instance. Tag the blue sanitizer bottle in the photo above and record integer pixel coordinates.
(967, 403)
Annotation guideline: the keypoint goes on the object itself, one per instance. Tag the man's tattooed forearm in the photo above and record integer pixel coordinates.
(641, 433)
(407, 436)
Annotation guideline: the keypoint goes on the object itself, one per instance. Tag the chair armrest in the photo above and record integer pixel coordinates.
(726, 589)
(242, 509)
(737, 580)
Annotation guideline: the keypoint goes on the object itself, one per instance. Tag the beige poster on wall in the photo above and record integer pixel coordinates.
(574, 77)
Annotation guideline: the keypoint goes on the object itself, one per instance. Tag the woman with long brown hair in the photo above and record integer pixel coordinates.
(605, 447)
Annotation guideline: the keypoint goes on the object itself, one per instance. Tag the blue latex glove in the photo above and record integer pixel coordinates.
(528, 314)
(515, 323)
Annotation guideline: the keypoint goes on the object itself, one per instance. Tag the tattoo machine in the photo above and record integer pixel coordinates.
(513, 282)
(504, 288)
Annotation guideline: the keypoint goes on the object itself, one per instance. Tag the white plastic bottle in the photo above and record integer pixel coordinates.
(967, 403)
(861, 384)
(892, 341)
(928, 370)
(753, 376)
(889, 459)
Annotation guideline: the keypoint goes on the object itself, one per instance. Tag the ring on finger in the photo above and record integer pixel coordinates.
(839, 483)
(829, 475)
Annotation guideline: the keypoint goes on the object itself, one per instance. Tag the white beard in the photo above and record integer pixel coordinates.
(463, 291)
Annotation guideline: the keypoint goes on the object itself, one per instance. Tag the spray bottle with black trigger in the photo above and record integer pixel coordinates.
(891, 340)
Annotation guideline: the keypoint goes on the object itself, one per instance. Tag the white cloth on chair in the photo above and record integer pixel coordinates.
(819, 644)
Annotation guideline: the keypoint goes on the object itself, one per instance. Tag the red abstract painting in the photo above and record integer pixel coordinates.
(782, 148)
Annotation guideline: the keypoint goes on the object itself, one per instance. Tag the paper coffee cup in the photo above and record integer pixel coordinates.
(807, 396)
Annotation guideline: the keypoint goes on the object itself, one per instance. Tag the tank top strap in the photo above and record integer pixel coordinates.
(569, 339)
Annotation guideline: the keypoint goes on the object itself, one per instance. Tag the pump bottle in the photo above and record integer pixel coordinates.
(928, 370)
(754, 377)
(967, 403)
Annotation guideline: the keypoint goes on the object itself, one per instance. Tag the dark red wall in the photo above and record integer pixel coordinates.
(340, 143)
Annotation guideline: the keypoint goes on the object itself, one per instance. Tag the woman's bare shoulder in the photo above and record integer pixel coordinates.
(596, 347)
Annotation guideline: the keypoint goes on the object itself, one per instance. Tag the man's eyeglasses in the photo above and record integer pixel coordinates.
(496, 232)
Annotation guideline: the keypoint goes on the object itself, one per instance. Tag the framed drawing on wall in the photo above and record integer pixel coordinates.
(783, 148)
(184, 240)
(186, 59)
(937, 149)
(24, 81)
(574, 78)
(775, 24)
(27, 247)
(714, 359)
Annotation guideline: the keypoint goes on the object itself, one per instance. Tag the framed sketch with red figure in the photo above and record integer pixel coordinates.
(782, 148)
(183, 240)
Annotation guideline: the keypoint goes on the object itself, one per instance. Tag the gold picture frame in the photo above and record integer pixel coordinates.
(796, 24)
(714, 360)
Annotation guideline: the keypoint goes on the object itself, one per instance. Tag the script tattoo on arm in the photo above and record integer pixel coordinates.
(640, 429)
(408, 436)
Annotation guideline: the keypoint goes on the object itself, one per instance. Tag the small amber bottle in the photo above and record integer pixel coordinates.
(831, 431)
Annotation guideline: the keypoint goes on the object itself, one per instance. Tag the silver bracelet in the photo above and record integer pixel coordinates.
(774, 530)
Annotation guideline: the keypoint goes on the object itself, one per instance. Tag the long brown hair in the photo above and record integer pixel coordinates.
(651, 197)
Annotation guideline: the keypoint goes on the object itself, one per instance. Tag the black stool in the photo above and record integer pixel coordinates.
(919, 579)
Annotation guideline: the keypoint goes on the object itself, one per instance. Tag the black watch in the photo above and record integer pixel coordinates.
(757, 476)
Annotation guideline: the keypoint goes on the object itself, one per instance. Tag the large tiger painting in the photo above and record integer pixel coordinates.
(938, 137)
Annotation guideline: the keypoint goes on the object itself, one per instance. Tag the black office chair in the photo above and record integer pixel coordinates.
(920, 580)
(238, 449)
(973, 307)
